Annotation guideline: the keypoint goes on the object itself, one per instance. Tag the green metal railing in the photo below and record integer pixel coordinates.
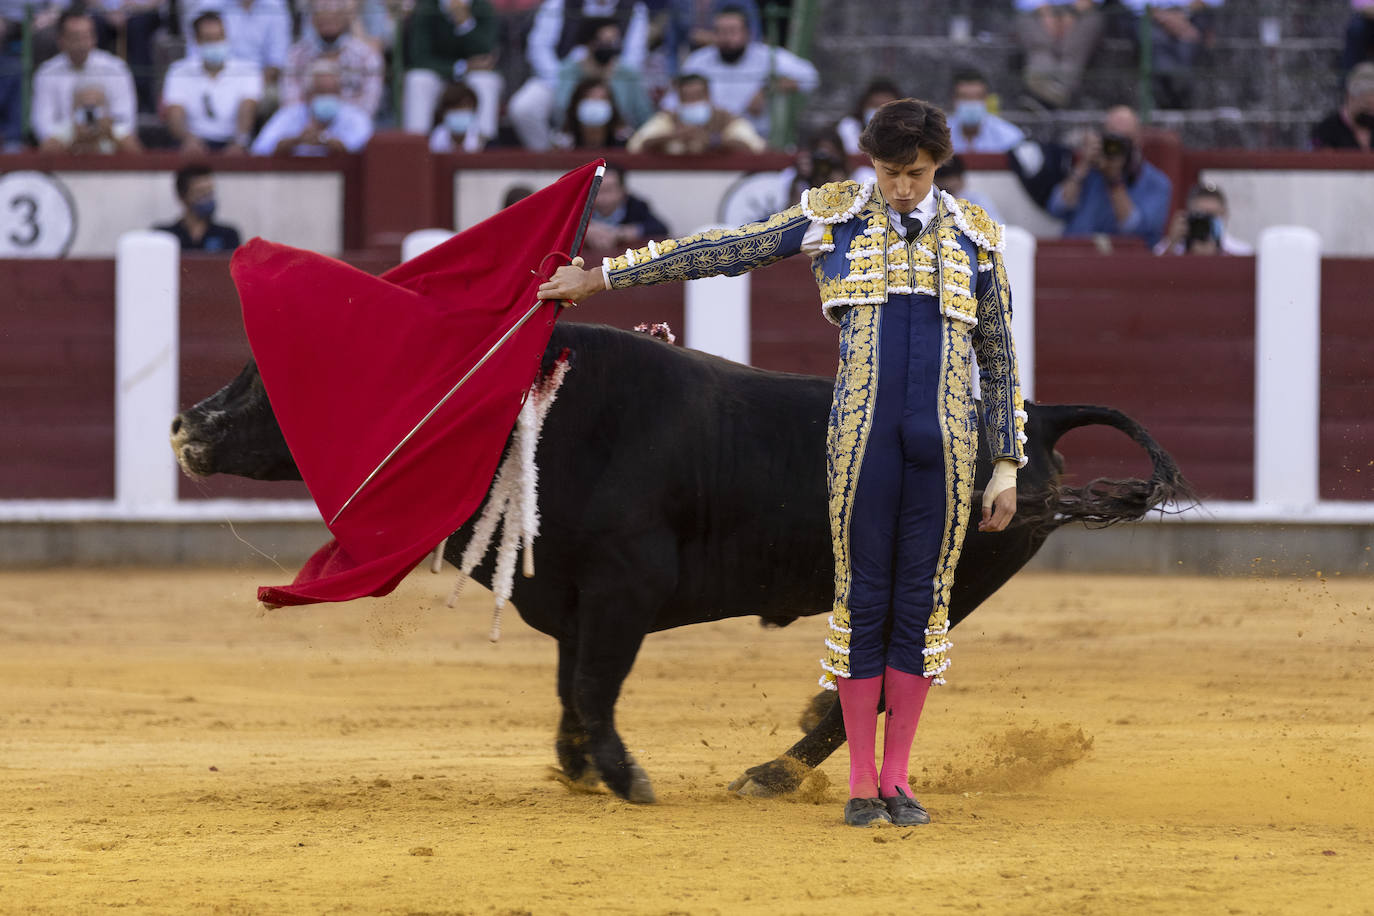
(785, 109)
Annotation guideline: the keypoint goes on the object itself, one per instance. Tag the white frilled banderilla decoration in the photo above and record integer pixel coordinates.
(512, 503)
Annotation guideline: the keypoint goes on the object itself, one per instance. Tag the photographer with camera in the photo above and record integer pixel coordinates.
(83, 99)
(1112, 190)
(1200, 227)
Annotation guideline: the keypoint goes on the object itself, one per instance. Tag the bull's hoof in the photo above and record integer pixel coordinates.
(641, 790)
(816, 710)
(782, 776)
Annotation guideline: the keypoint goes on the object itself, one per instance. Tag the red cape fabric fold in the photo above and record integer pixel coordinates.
(352, 362)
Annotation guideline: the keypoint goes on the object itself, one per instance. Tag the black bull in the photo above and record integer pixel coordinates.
(678, 488)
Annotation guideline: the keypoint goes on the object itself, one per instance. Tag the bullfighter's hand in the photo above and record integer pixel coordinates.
(999, 497)
(572, 283)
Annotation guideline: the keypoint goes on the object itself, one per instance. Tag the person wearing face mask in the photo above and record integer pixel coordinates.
(564, 31)
(695, 126)
(744, 73)
(592, 120)
(1112, 190)
(915, 281)
(975, 130)
(359, 63)
(320, 125)
(450, 41)
(620, 220)
(197, 230)
(456, 129)
(878, 93)
(209, 99)
(599, 60)
(1200, 227)
(1352, 125)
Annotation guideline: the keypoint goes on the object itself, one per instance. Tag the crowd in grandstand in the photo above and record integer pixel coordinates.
(313, 77)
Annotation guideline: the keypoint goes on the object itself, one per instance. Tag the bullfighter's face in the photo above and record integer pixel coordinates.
(905, 185)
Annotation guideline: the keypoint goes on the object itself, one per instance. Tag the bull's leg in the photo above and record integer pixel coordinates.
(784, 774)
(606, 652)
(572, 740)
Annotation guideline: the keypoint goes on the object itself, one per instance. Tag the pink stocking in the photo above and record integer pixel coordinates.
(859, 703)
(906, 696)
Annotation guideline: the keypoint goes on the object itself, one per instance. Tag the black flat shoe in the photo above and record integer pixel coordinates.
(866, 812)
(905, 811)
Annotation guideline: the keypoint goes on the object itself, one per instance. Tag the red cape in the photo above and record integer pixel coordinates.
(353, 362)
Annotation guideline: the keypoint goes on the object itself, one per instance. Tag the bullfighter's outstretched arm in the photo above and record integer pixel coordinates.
(716, 252)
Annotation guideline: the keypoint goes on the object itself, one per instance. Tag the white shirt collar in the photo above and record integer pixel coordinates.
(925, 210)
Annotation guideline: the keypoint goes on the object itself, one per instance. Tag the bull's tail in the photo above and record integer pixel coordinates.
(1106, 501)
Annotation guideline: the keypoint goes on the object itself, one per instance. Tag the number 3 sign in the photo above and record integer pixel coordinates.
(37, 217)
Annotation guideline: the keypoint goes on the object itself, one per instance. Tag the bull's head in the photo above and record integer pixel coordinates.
(234, 431)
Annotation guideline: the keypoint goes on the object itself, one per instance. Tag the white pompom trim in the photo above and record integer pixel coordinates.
(979, 239)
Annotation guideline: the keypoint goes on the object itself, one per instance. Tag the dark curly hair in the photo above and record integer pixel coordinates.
(902, 128)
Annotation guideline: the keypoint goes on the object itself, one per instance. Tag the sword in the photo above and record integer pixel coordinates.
(576, 246)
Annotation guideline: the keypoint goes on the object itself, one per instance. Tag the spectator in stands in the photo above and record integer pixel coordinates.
(973, 129)
(259, 31)
(1352, 125)
(620, 219)
(210, 100)
(1200, 228)
(691, 25)
(1058, 38)
(130, 25)
(600, 60)
(515, 193)
(558, 29)
(820, 161)
(197, 230)
(457, 130)
(321, 124)
(592, 119)
(953, 177)
(83, 99)
(1359, 35)
(1112, 190)
(1178, 30)
(359, 64)
(879, 93)
(44, 33)
(744, 74)
(448, 41)
(696, 126)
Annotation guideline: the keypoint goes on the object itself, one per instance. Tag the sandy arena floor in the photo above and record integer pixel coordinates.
(1106, 745)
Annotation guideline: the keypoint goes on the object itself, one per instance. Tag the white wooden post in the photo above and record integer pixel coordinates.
(716, 316)
(421, 240)
(1287, 367)
(1020, 260)
(147, 296)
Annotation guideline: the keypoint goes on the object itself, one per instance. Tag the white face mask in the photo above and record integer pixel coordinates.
(214, 53)
(594, 112)
(458, 120)
(695, 114)
(970, 112)
(869, 113)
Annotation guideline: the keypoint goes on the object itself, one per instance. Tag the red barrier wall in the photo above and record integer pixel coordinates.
(1347, 361)
(57, 380)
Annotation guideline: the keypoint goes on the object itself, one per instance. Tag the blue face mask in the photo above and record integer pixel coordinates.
(204, 208)
(214, 53)
(458, 120)
(969, 112)
(594, 112)
(695, 114)
(324, 108)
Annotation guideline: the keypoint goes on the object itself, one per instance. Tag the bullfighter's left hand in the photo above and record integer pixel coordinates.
(999, 497)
